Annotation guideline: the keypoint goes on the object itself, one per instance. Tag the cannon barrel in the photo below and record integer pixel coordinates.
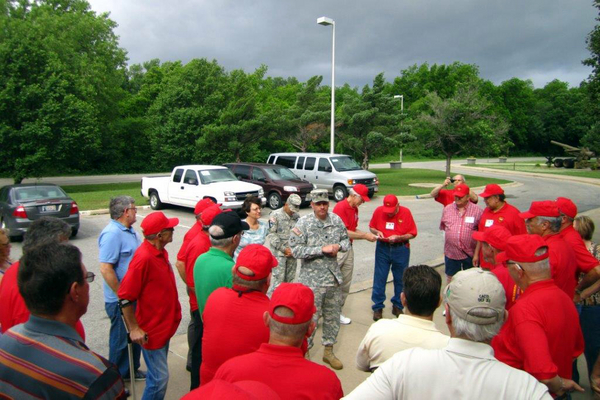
(586, 153)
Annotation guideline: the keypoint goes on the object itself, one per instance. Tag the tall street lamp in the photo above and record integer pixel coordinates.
(401, 97)
(328, 21)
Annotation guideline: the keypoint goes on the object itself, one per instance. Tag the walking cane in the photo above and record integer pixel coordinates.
(122, 304)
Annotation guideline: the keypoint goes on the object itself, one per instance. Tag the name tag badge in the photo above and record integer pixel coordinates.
(389, 225)
(469, 220)
(489, 222)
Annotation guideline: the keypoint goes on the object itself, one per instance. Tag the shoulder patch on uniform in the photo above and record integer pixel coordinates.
(296, 231)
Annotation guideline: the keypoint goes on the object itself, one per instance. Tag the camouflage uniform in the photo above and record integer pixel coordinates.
(319, 272)
(280, 226)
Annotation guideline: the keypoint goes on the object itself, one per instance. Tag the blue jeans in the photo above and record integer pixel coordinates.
(385, 256)
(117, 342)
(157, 376)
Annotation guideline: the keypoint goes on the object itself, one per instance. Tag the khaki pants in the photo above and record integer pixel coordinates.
(345, 261)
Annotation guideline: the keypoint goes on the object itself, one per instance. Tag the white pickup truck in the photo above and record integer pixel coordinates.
(190, 183)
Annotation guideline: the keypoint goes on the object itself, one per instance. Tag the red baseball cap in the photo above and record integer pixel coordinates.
(389, 203)
(522, 248)
(496, 236)
(461, 190)
(156, 222)
(546, 208)
(203, 205)
(566, 206)
(491, 190)
(209, 214)
(298, 298)
(258, 259)
(362, 191)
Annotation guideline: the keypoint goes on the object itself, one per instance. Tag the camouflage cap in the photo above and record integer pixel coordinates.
(319, 195)
(294, 202)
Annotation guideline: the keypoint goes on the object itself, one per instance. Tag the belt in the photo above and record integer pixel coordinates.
(389, 244)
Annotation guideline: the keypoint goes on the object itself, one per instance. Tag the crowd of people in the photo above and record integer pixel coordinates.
(521, 304)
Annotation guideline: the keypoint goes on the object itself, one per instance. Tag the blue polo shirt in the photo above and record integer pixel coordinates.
(117, 246)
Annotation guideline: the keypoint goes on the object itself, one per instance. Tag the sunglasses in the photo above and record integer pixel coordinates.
(89, 277)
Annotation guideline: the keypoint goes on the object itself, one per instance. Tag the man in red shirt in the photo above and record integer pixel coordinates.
(459, 220)
(542, 334)
(13, 310)
(280, 363)
(543, 219)
(493, 243)
(151, 282)
(347, 210)
(497, 212)
(233, 317)
(394, 226)
(446, 196)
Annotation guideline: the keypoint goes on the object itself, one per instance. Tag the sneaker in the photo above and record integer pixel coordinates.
(139, 376)
(344, 320)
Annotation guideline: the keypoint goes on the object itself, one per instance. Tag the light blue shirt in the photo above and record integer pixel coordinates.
(117, 246)
(253, 236)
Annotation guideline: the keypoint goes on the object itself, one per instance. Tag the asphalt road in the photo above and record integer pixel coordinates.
(427, 247)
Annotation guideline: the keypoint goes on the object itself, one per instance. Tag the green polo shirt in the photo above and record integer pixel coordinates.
(211, 271)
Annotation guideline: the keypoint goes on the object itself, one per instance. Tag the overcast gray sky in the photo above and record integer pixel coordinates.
(539, 40)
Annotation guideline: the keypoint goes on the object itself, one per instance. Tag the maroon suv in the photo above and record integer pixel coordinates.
(278, 182)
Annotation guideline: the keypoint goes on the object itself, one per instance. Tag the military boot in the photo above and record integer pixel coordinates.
(331, 359)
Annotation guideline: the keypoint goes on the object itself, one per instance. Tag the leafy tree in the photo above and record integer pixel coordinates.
(518, 105)
(60, 81)
(593, 45)
(460, 124)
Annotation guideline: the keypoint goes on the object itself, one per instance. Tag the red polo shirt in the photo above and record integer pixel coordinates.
(348, 214)
(399, 224)
(542, 335)
(508, 217)
(585, 260)
(446, 196)
(150, 281)
(13, 310)
(198, 245)
(512, 290)
(285, 370)
(233, 325)
(187, 238)
(562, 263)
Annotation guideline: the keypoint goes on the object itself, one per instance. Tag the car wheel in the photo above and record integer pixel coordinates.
(274, 201)
(340, 192)
(74, 232)
(155, 202)
(558, 163)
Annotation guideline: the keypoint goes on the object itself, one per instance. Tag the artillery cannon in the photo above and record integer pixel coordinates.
(581, 157)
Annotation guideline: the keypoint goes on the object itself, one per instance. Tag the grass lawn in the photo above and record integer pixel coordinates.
(395, 181)
(95, 197)
(543, 169)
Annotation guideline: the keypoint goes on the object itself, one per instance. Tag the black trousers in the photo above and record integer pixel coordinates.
(196, 348)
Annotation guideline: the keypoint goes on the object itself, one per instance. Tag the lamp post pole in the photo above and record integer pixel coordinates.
(401, 97)
(325, 22)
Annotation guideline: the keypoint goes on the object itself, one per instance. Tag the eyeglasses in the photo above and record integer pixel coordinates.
(89, 277)
(517, 265)
(131, 208)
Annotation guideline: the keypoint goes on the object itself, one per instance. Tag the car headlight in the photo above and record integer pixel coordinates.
(261, 192)
(290, 188)
(230, 196)
(351, 181)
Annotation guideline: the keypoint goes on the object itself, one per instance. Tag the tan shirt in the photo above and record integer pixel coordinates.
(386, 337)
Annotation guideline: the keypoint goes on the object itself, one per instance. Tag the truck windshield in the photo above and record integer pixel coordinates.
(216, 175)
(280, 174)
(345, 163)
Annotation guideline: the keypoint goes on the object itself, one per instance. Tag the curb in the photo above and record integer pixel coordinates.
(104, 211)
(579, 179)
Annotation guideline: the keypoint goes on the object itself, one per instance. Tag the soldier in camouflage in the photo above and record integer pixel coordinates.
(281, 223)
(316, 240)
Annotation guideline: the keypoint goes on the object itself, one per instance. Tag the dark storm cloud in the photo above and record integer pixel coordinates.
(539, 40)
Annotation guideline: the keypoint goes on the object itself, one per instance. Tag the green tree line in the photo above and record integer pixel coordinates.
(69, 103)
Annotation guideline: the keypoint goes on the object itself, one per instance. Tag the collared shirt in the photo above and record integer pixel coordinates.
(400, 223)
(46, 359)
(117, 245)
(285, 370)
(348, 214)
(212, 271)
(542, 335)
(233, 325)
(199, 245)
(511, 289)
(446, 196)
(585, 260)
(458, 226)
(508, 217)
(386, 337)
(187, 238)
(562, 263)
(150, 281)
(462, 370)
(13, 310)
